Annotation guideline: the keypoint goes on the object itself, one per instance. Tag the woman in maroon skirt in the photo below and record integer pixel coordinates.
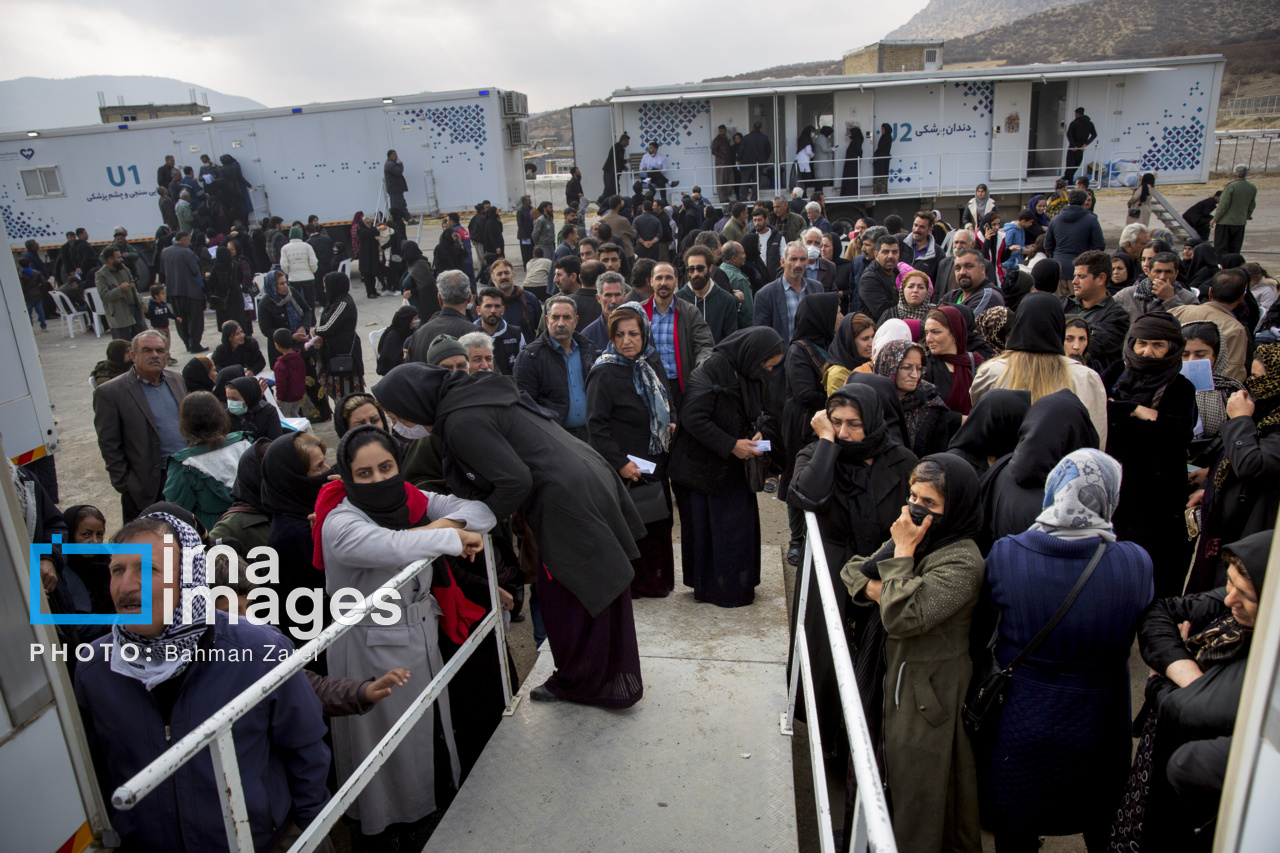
(629, 417)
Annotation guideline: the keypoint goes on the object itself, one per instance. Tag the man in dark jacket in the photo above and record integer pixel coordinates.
(168, 212)
(718, 306)
(397, 186)
(678, 330)
(777, 302)
(186, 290)
(754, 152)
(763, 249)
(322, 245)
(133, 712)
(476, 228)
(1200, 215)
(507, 339)
(1080, 133)
(164, 174)
(878, 289)
(613, 164)
(945, 282)
(611, 291)
(1071, 233)
(648, 232)
(819, 267)
(494, 243)
(1108, 320)
(919, 248)
(451, 319)
(522, 308)
(976, 290)
(524, 228)
(790, 223)
(553, 369)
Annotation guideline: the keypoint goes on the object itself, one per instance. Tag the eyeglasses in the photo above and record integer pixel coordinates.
(911, 370)
(698, 268)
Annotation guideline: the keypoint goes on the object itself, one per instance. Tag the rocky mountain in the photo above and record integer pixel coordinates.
(952, 19)
(1117, 29)
(43, 102)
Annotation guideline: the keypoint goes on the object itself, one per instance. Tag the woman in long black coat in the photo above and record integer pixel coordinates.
(817, 317)
(721, 418)
(364, 237)
(503, 449)
(339, 335)
(854, 479)
(1151, 410)
(239, 347)
(852, 154)
(1240, 495)
(629, 415)
(880, 165)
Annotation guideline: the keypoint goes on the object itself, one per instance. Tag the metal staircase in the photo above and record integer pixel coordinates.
(1170, 217)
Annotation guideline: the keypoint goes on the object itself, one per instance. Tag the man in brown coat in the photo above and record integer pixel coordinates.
(623, 234)
(136, 418)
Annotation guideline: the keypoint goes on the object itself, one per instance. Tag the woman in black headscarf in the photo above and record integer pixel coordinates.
(223, 287)
(1124, 272)
(448, 253)
(629, 415)
(504, 449)
(249, 412)
(1140, 201)
(880, 163)
(238, 347)
(391, 344)
(1202, 268)
(293, 472)
(816, 320)
(223, 378)
(924, 411)
(1013, 487)
(854, 479)
(1198, 646)
(721, 419)
(419, 284)
(891, 409)
(1151, 410)
(199, 374)
(852, 154)
(364, 244)
(925, 582)
(340, 350)
(119, 360)
(991, 430)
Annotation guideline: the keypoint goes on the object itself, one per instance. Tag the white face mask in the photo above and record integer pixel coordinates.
(411, 433)
(236, 407)
(813, 252)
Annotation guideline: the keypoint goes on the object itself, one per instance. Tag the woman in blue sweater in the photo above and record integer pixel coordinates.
(1056, 761)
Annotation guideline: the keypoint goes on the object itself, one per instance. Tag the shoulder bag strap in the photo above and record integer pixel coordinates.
(1030, 647)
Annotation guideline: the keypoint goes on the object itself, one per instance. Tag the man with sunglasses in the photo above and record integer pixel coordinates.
(719, 307)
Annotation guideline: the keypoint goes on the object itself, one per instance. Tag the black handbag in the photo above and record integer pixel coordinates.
(987, 690)
(344, 365)
(649, 494)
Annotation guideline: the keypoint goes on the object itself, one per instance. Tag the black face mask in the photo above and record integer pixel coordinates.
(384, 502)
(919, 514)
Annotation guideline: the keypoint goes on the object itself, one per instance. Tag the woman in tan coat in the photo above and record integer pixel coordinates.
(925, 581)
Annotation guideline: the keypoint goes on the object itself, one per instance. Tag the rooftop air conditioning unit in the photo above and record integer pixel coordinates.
(515, 104)
(518, 133)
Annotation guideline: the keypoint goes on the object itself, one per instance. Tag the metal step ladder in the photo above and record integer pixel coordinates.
(1170, 217)
(429, 179)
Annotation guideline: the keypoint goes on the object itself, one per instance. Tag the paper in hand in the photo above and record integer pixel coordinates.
(763, 445)
(1199, 372)
(645, 466)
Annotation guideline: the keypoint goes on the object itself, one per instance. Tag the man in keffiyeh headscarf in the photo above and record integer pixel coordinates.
(148, 685)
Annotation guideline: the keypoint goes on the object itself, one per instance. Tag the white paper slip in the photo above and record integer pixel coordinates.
(763, 445)
(1199, 372)
(645, 466)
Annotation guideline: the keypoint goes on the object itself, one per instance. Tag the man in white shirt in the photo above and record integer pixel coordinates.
(652, 165)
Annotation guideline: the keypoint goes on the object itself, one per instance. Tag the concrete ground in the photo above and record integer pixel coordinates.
(82, 479)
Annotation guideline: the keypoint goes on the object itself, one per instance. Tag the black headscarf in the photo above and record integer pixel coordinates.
(877, 439)
(249, 389)
(225, 375)
(961, 516)
(1039, 325)
(1055, 425)
(385, 502)
(736, 367)
(196, 376)
(844, 346)
(402, 321)
(340, 420)
(1127, 259)
(409, 252)
(336, 286)
(1202, 267)
(286, 488)
(248, 487)
(1045, 276)
(424, 394)
(816, 320)
(895, 418)
(1253, 551)
(992, 427)
(1144, 377)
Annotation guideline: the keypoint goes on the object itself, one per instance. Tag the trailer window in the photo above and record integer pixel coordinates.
(44, 182)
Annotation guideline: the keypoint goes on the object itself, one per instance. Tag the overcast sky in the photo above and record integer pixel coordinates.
(559, 53)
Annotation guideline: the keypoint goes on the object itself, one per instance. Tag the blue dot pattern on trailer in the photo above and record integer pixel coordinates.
(673, 123)
(456, 133)
(20, 224)
(978, 96)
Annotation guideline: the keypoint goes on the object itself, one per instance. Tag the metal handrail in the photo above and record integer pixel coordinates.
(871, 813)
(215, 732)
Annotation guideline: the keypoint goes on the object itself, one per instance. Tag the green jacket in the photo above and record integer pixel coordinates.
(794, 226)
(733, 231)
(118, 302)
(747, 310)
(127, 251)
(927, 609)
(242, 522)
(1235, 207)
(198, 477)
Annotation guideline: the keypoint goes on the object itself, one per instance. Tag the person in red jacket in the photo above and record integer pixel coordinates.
(291, 374)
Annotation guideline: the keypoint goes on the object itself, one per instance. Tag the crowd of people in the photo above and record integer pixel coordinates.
(978, 416)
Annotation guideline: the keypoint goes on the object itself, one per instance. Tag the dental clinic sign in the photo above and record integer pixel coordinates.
(304, 606)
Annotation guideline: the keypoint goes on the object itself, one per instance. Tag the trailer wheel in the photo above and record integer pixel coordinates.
(845, 216)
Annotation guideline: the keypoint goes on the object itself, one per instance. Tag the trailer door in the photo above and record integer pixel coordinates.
(189, 143)
(1011, 126)
(241, 142)
(592, 137)
(854, 108)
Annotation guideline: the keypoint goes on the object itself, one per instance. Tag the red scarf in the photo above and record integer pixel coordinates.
(459, 613)
(675, 333)
(962, 377)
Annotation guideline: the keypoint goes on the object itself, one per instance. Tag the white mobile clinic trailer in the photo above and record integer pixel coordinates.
(323, 159)
(951, 129)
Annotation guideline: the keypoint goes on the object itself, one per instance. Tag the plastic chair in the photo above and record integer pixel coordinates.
(94, 299)
(374, 337)
(92, 383)
(344, 267)
(70, 316)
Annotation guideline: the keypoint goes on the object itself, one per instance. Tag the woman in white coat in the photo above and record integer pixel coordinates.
(824, 159)
(369, 526)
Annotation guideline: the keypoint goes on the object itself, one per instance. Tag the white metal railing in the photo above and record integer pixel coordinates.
(215, 732)
(1257, 149)
(871, 823)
